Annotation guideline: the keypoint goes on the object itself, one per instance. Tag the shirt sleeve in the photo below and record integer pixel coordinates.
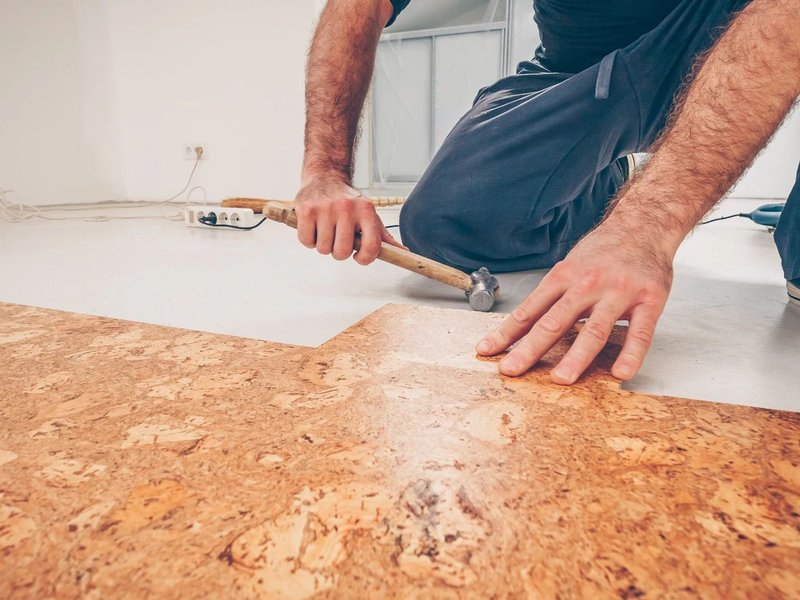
(399, 5)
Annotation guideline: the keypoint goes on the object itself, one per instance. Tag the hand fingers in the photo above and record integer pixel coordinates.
(344, 238)
(519, 322)
(326, 230)
(637, 342)
(590, 341)
(306, 230)
(544, 334)
(370, 242)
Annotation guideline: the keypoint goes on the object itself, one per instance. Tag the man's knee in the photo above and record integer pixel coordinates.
(436, 229)
(416, 219)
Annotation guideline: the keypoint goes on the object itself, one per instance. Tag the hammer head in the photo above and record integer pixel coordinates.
(484, 290)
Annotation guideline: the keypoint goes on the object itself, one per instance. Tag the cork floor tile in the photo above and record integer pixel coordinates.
(138, 460)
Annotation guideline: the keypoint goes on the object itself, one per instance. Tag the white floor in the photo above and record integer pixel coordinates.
(728, 333)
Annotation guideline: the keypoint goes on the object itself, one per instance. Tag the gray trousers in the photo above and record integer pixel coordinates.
(531, 167)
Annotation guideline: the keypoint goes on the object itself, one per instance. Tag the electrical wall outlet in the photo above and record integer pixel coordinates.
(235, 217)
(190, 151)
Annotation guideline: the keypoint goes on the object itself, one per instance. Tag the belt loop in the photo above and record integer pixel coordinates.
(604, 76)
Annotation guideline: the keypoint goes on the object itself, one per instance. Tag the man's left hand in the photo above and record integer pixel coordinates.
(615, 273)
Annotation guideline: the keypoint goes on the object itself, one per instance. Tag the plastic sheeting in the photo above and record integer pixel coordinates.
(425, 80)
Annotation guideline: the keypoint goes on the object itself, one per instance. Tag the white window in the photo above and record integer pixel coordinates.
(429, 67)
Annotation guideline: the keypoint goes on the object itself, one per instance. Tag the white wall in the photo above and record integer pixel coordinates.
(98, 98)
(226, 74)
(58, 134)
(773, 173)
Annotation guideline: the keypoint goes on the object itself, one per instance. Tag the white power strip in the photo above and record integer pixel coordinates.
(235, 217)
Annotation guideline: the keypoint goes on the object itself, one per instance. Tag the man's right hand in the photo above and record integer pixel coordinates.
(334, 217)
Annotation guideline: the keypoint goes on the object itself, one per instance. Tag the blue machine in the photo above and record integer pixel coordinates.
(767, 215)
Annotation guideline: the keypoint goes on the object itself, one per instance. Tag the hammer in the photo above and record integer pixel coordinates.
(481, 288)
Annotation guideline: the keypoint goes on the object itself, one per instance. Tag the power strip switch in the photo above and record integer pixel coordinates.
(222, 215)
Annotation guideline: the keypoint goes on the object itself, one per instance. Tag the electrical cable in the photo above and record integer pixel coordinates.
(723, 218)
(18, 212)
(211, 223)
(191, 191)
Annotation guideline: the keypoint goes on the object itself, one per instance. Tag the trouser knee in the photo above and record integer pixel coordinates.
(423, 230)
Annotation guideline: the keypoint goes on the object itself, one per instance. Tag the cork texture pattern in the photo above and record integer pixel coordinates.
(145, 461)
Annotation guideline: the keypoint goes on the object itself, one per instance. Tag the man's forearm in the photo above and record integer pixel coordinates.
(736, 101)
(623, 269)
(340, 67)
(333, 216)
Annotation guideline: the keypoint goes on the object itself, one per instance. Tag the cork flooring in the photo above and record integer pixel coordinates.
(138, 460)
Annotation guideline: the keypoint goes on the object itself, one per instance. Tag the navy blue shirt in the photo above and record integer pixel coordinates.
(578, 33)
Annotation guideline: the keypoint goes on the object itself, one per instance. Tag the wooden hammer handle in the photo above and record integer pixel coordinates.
(258, 204)
(425, 266)
(389, 253)
(281, 213)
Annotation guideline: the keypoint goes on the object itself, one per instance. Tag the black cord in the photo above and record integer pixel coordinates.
(723, 218)
(206, 221)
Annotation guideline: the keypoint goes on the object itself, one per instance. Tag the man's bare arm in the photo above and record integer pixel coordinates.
(623, 269)
(341, 60)
(741, 93)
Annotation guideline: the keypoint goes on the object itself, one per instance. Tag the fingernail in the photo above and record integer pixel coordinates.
(510, 364)
(484, 346)
(625, 371)
(563, 374)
